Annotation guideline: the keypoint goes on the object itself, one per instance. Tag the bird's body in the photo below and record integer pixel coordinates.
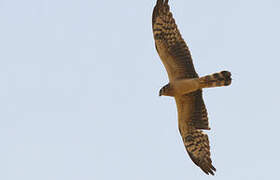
(185, 85)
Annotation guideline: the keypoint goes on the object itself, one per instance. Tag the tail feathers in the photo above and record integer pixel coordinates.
(215, 80)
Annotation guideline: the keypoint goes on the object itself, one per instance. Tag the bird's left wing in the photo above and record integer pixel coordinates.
(170, 45)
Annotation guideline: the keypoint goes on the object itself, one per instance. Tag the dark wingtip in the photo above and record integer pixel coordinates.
(205, 166)
(209, 169)
(213, 168)
(159, 2)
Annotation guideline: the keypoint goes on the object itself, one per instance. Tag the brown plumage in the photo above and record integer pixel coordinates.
(185, 85)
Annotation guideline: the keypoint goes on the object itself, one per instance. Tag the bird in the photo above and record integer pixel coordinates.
(185, 86)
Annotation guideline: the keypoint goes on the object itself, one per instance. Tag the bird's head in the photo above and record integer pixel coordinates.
(165, 90)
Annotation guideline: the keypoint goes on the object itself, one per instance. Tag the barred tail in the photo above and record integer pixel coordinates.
(215, 80)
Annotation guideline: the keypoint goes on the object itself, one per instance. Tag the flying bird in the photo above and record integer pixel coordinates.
(185, 85)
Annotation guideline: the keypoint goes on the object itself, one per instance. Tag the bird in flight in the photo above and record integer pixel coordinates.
(185, 85)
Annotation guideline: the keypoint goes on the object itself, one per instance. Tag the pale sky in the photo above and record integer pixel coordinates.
(80, 81)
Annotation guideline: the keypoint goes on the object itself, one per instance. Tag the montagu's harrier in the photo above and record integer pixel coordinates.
(185, 85)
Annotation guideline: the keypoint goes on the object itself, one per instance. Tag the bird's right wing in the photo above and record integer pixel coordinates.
(197, 145)
(192, 117)
(192, 110)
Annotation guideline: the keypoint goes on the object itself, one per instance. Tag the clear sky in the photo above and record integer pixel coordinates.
(80, 81)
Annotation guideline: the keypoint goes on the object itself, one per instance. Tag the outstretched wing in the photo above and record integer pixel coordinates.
(192, 116)
(170, 46)
(197, 146)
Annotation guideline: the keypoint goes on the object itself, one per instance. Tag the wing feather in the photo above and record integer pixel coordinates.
(170, 45)
(198, 148)
(192, 116)
(199, 115)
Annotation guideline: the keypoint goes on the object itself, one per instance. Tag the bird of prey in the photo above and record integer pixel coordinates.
(185, 85)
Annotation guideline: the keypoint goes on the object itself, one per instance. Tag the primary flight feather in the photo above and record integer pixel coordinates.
(185, 85)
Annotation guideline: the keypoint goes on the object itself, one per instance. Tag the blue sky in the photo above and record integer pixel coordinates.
(80, 81)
